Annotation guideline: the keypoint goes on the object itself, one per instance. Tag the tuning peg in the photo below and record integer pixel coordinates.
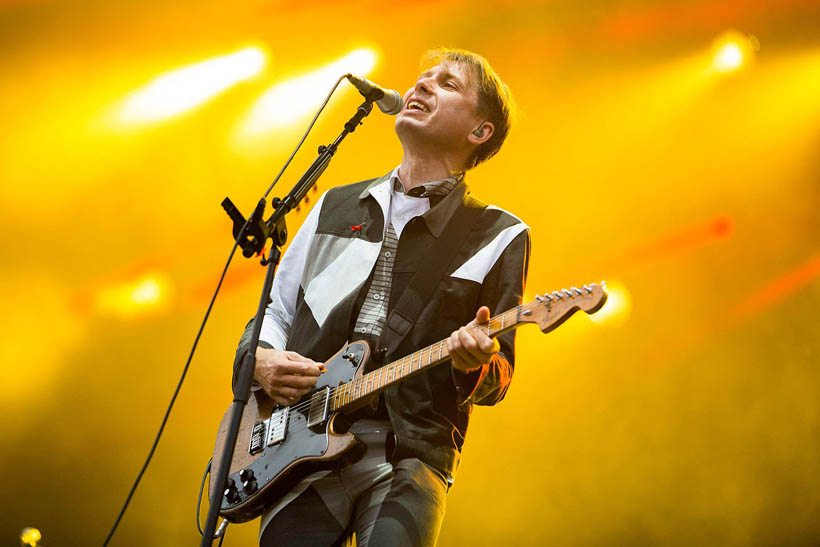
(549, 297)
(576, 290)
(587, 289)
(566, 293)
(557, 295)
(539, 298)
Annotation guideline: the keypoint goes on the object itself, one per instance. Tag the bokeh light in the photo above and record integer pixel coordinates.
(732, 50)
(185, 88)
(617, 308)
(147, 294)
(295, 98)
(685, 412)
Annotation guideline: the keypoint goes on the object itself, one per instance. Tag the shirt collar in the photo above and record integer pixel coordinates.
(442, 207)
(433, 189)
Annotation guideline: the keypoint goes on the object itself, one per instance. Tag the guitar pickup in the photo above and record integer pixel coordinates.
(278, 426)
(319, 403)
(258, 437)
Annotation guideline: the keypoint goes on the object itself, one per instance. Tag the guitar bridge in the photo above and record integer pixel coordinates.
(319, 403)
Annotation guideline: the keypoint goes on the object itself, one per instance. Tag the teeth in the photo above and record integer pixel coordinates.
(416, 104)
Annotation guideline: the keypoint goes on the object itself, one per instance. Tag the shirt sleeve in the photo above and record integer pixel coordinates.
(282, 304)
(502, 289)
(282, 301)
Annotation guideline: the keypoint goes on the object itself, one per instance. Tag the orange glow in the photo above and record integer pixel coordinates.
(715, 229)
(778, 289)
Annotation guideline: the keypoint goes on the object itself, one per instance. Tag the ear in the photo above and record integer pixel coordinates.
(481, 134)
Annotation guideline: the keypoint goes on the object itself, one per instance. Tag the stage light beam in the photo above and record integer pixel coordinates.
(290, 100)
(183, 89)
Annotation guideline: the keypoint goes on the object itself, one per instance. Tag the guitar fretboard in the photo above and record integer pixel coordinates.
(434, 354)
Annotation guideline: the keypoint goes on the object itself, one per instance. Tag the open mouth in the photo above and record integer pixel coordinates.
(417, 105)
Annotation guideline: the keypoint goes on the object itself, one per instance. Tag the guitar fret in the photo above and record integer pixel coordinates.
(545, 311)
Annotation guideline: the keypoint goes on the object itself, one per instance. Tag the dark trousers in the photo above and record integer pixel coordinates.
(400, 505)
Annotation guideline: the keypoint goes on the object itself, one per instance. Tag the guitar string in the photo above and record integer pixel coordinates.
(517, 311)
(361, 384)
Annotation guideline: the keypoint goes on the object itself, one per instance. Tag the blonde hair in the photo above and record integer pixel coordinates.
(494, 98)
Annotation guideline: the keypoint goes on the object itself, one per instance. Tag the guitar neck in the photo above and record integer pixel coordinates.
(382, 378)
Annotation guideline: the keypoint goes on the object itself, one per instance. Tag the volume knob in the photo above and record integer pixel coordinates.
(231, 493)
(248, 480)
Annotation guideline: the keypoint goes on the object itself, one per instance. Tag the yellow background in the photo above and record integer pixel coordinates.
(689, 418)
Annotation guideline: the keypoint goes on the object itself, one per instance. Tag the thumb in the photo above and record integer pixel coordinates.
(482, 315)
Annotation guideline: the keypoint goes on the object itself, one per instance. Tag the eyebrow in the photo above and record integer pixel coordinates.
(444, 74)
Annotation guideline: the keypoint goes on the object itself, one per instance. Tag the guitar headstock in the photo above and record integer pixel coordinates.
(551, 309)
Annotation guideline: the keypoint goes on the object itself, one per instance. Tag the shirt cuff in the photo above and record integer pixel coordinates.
(467, 382)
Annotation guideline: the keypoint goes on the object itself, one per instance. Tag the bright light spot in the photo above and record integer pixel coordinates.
(728, 58)
(617, 308)
(732, 50)
(147, 294)
(188, 87)
(30, 537)
(289, 101)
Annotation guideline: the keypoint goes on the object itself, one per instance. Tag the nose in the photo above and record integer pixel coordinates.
(424, 84)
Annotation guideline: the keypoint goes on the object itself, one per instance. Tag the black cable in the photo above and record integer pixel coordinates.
(199, 498)
(176, 392)
(298, 146)
(205, 320)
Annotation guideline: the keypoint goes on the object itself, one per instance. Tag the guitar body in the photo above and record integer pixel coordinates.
(277, 446)
(279, 465)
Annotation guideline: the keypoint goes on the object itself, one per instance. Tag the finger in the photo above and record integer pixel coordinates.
(485, 343)
(475, 356)
(295, 381)
(458, 355)
(478, 353)
(285, 367)
(295, 357)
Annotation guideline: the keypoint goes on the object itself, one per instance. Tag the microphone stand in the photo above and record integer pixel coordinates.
(252, 241)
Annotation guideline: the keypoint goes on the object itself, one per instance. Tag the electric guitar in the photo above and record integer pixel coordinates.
(278, 446)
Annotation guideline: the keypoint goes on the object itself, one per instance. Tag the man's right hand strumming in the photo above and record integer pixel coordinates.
(285, 376)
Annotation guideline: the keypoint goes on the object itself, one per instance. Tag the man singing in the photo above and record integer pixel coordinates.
(342, 278)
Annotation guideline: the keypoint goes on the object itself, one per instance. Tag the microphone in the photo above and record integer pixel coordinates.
(388, 100)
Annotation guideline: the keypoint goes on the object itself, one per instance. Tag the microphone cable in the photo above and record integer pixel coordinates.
(205, 320)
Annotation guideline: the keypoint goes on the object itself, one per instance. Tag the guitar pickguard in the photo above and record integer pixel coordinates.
(260, 475)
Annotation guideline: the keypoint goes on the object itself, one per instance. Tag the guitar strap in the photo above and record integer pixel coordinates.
(427, 279)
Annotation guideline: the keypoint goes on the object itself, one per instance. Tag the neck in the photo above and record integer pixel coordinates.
(416, 169)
